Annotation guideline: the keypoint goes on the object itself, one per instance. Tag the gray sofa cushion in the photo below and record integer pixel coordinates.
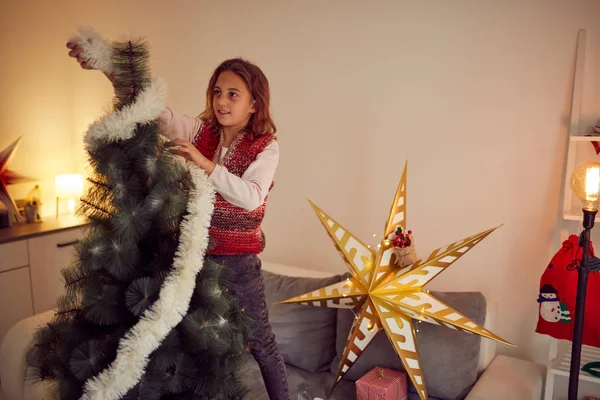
(306, 335)
(316, 384)
(449, 358)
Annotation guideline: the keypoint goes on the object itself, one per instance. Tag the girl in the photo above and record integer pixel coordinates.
(234, 141)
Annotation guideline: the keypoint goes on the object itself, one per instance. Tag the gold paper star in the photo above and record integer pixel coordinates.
(385, 296)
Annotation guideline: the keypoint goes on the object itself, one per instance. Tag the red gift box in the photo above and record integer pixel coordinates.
(382, 384)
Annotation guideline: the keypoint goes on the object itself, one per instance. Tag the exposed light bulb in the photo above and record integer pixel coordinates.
(585, 183)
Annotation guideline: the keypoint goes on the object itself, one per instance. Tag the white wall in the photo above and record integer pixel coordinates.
(474, 94)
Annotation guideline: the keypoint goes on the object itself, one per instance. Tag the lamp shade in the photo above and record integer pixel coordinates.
(69, 186)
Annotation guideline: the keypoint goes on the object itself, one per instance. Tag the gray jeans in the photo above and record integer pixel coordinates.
(249, 288)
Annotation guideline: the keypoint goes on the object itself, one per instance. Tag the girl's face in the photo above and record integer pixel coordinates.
(232, 103)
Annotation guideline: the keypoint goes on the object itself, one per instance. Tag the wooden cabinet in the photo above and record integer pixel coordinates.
(48, 255)
(13, 255)
(16, 301)
(31, 258)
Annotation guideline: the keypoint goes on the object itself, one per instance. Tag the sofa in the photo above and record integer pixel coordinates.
(456, 365)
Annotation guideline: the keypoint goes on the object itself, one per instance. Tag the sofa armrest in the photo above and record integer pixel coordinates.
(510, 378)
(15, 345)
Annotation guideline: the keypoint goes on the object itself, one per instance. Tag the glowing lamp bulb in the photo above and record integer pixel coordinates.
(70, 187)
(585, 183)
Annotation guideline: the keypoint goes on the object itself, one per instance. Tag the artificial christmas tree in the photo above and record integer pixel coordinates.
(144, 315)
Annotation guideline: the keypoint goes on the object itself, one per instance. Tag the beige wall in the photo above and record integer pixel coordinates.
(474, 94)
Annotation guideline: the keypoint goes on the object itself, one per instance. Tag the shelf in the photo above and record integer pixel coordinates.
(580, 147)
(50, 224)
(561, 365)
(576, 214)
(571, 216)
(582, 138)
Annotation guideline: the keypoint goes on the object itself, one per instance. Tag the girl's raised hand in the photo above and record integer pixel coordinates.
(76, 53)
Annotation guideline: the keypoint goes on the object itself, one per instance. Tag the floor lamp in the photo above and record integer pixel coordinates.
(585, 183)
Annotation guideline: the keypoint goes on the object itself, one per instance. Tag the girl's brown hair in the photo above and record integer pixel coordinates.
(260, 122)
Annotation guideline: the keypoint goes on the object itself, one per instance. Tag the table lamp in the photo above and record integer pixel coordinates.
(70, 187)
(585, 183)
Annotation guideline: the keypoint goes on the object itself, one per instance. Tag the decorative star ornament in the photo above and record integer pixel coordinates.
(385, 296)
(8, 177)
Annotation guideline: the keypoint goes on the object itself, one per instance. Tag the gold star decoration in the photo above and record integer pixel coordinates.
(8, 177)
(386, 296)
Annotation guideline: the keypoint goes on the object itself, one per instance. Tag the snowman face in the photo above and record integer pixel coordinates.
(550, 296)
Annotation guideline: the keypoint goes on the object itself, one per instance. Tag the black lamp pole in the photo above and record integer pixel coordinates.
(583, 271)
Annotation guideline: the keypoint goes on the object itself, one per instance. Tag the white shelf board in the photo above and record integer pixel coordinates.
(595, 138)
(576, 214)
(561, 365)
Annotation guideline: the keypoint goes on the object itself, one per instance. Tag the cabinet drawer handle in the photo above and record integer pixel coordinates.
(67, 243)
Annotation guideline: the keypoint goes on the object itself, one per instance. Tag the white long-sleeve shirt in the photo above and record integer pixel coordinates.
(249, 190)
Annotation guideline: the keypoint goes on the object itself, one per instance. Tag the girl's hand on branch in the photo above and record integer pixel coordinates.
(185, 149)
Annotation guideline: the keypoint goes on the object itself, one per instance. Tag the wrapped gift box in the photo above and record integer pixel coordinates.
(382, 384)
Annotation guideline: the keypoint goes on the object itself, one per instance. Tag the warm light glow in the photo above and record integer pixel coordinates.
(592, 182)
(71, 205)
(69, 186)
(585, 183)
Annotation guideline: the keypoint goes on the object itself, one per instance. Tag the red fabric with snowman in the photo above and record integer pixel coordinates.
(558, 293)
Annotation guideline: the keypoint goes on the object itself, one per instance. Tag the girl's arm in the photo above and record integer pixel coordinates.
(249, 191)
(175, 125)
(179, 125)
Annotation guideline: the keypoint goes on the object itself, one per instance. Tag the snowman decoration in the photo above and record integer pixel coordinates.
(551, 308)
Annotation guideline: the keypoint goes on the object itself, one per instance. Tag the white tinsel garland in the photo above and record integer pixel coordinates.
(120, 125)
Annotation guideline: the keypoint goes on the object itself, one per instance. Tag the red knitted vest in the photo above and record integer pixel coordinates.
(234, 230)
